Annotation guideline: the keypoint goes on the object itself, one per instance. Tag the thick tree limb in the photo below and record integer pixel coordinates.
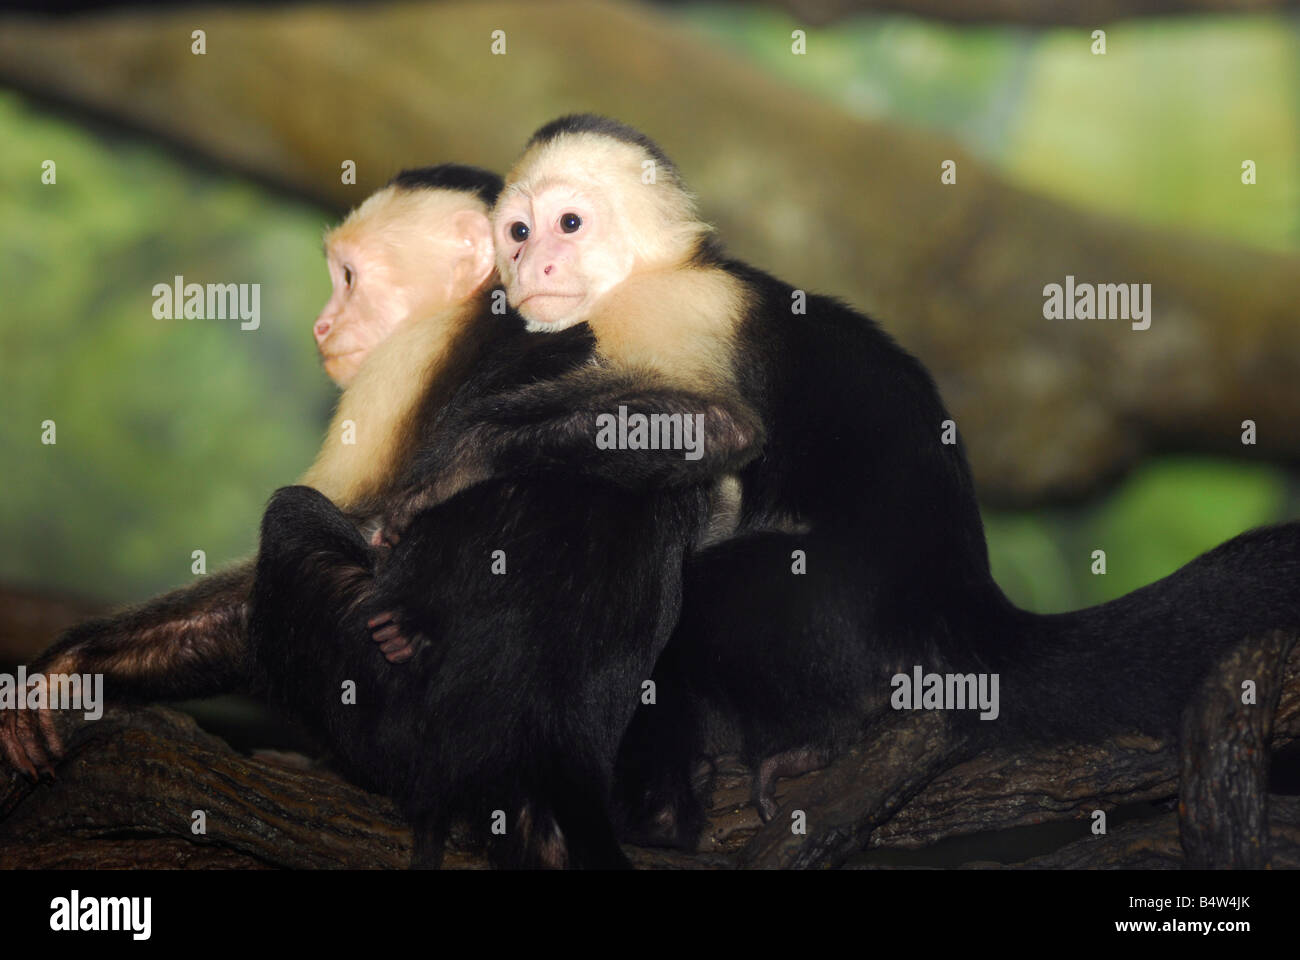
(1223, 800)
(1048, 409)
(856, 793)
(1005, 789)
(145, 772)
(128, 789)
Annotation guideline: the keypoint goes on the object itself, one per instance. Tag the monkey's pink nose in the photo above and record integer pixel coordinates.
(321, 329)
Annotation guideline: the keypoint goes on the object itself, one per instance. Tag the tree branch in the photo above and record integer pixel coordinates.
(1223, 808)
(127, 791)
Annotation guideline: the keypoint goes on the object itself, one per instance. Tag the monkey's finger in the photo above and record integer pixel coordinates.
(400, 656)
(50, 731)
(29, 739)
(388, 633)
(13, 750)
(386, 617)
(394, 645)
(18, 760)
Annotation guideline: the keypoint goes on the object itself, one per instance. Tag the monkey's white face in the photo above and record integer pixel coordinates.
(399, 255)
(364, 309)
(560, 247)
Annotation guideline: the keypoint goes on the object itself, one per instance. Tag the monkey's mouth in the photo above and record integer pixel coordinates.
(547, 307)
(546, 293)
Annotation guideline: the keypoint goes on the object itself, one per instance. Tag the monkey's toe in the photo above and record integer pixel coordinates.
(400, 654)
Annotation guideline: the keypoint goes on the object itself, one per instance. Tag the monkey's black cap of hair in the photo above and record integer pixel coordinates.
(605, 127)
(451, 176)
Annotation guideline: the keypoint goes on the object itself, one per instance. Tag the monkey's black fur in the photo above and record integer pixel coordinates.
(897, 575)
(897, 572)
(520, 699)
(520, 702)
(603, 127)
(451, 176)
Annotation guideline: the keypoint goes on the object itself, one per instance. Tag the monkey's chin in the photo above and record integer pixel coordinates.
(550, 313)
(341, 368)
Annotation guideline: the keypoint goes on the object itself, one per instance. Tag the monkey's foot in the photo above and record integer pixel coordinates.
(791, 763)
(30, 742)
(395, 645)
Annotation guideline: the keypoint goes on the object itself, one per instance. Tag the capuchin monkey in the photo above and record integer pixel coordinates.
(791, 639)
(410, 250)
(402, 265)
(547, 585)
(192, 643)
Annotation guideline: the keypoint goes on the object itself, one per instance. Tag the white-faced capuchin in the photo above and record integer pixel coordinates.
(547, 584)
(408, 267)
(795, 651)
(793, 639)
(193, 642)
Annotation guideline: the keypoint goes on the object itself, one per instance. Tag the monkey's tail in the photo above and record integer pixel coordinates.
(1133, 663)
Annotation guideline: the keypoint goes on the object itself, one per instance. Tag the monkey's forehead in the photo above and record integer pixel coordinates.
(567, 187)
(577, 157)
(389, 207)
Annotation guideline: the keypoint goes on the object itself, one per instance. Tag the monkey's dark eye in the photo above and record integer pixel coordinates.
(518, 231)
(570, 222)
(347, 276)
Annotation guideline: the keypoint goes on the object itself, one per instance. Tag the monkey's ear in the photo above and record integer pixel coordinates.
(477, 258)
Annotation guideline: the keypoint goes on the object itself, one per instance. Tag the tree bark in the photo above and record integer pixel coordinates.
(1223, 807)
(127, 792)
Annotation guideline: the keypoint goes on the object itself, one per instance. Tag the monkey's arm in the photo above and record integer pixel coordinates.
(191, 642)
(582, 423)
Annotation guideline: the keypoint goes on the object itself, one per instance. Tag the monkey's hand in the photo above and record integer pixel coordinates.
(387, 632)
(29, 739)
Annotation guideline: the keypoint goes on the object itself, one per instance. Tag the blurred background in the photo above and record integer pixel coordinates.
(822, 166)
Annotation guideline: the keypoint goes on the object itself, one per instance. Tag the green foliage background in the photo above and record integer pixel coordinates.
(171, 434)
(1123, 136)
